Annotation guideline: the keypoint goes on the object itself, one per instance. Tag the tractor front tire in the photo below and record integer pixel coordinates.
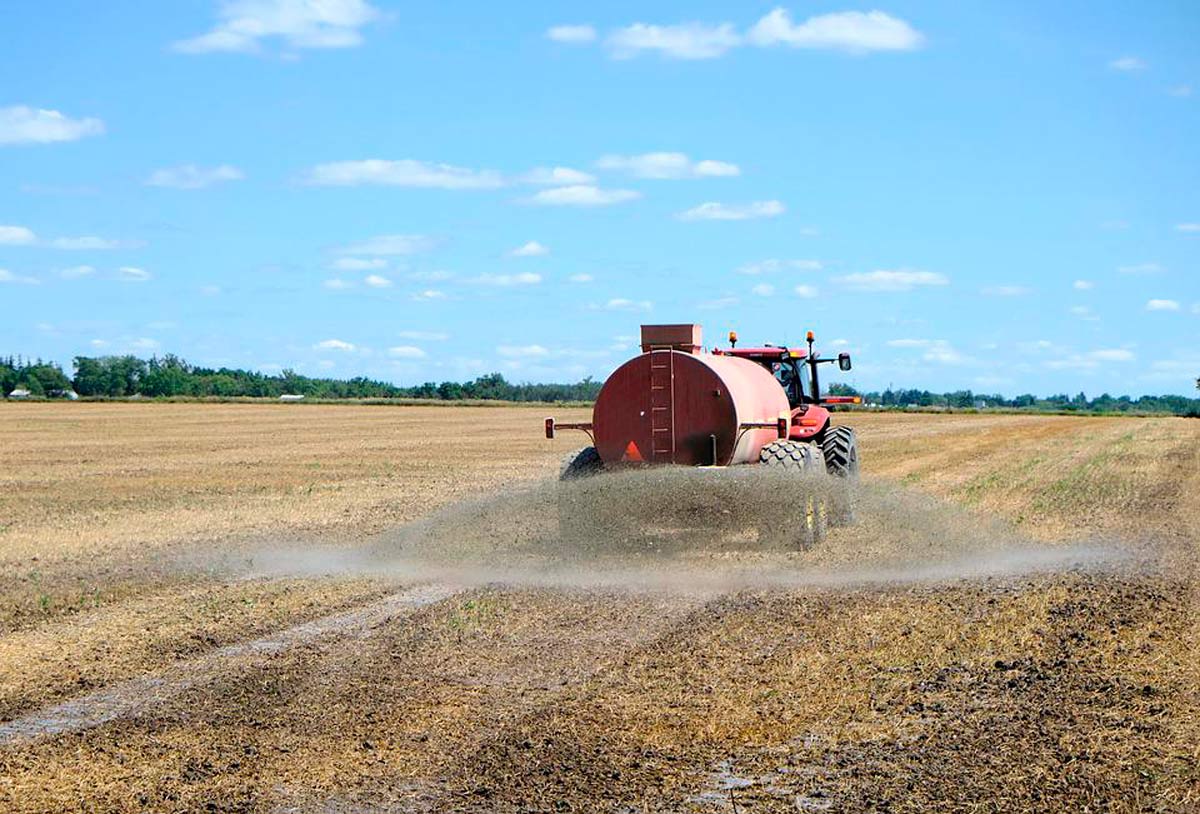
(811, 520)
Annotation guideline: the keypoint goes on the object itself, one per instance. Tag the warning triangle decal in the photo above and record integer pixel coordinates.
(632, 453)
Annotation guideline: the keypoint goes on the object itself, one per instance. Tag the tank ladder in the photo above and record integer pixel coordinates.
(662, 405)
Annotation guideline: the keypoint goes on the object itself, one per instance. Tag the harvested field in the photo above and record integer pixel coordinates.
(265, 608)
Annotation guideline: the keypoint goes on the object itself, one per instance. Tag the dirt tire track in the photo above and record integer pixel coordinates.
(136, 696)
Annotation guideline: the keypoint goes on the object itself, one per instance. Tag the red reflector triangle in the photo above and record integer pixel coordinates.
(632, 453)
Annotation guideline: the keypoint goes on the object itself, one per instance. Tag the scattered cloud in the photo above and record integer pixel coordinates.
(683, 41)
(429, 294)
(1090, 360)
(26, 125)
(358, 264)
(1188, 228)
(508, 280)
(573, 34)
(385, 245)
(808, 292)
(132, 274)
(7, 276)
(189, 176)
(377, 281)
(16, 236)
(334, 344)
(763, 290)
(1127, 63)
(720, 303)
(523, 351)
(556, 177)
(337, 284)
(582, 195)
(76, 272)
(431, 276)
(402, 173)
(1180, 91)
(667, 166)
(1083, 285)
(719, 211)
(530, 249)
(622, 304)
(1162, 305)
(210, 290)
(1005, 291)
(580, 278)
(855, 32)
(1084, 312)
(244, 24)
(1140, 268)
(933, 350)
(91, 243)
(893, 280)
(406, 352)
(772, 266)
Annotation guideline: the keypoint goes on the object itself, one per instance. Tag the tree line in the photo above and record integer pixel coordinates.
(170, 376)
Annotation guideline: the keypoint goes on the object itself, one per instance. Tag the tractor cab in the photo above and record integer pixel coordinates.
(794, 368)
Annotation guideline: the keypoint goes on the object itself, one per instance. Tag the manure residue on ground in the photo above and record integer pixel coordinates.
(683, 529)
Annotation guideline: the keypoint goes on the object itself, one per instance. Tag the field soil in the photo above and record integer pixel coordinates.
(202, 609)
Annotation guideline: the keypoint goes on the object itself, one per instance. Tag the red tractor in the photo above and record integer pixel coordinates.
(677, 403)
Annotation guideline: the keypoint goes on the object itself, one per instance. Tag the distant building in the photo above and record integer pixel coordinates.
(291, 397)
(20, 393)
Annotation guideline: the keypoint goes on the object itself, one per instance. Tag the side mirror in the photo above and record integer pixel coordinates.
(844, 361)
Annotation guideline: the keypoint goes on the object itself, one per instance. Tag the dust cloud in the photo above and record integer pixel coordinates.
(694, 530)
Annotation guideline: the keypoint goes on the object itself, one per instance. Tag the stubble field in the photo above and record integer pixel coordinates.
(167, 644)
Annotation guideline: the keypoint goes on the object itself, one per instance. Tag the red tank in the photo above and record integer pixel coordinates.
(676, 404)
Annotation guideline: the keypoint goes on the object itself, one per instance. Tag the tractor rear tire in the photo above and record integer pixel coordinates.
(811, 523)
(840, 449)
(582, 463)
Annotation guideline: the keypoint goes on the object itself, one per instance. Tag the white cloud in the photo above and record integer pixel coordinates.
(1162, 305)
(889, 280)
(403, 173)
(16, 236)
(1140, 268)
(573, 34)
(424, 336)
(1189, 228)
(7, 276)
(622, 304)
(523, 351)
(1180, 91)
(580, 278)
(334, 344)
(1083, 285)
(683, 41)
(582, 195)
(808, 292)
(406, 352)
(1113, 355)
(244, 24)
(1084, 312)
(143, 343)
(189, 176)
(132, 274)
(358, 264)
(431, 276)
(75, 272)
(772, 266)
(25, 125)
(377, 281)
(384, 245)
(556, 176)
(719, 304)
(91, 243)
(338, 284)
(933, 350)
(507, 280)
(429, 294)
(661, 166)
(719, 211)
(1004, 291)
(530, 249)
(210, 290)
(1127, 64)
(853, 31)
(763, 290)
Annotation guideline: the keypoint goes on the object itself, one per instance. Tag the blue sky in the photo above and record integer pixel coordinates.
(1003, 197)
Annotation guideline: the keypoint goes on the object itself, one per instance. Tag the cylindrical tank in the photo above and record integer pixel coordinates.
(671, 406)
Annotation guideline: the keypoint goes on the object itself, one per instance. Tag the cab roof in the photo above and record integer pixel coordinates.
(769, 352)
